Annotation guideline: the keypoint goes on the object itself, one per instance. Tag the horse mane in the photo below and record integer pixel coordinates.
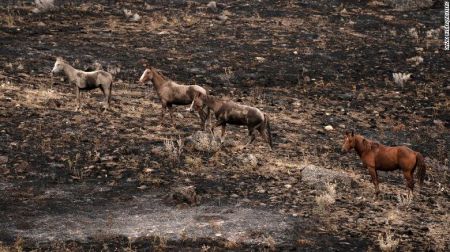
(369, 144)
(157, 71)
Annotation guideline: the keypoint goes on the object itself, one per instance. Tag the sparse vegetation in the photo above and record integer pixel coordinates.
(130, 181)
(401, 78)
(387, 242)
(174, 150)
(327, 198)
(404, 200)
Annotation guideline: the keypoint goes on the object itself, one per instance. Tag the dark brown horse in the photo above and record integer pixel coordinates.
(233, 113)
(376, 156)
(171, 93)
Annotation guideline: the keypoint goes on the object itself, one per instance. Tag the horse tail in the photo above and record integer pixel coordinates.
(420, 164)
(268, 130)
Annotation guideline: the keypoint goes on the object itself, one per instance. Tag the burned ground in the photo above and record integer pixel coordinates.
(104, 180)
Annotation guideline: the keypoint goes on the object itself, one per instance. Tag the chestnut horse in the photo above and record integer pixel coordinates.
(171, 93)
(376, 156)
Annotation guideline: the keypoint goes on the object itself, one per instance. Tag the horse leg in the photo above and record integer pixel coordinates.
(374, 175)
(107, 94)
(251, 133)
(203, 118)
(163, 108)
(222, 138)
(77, 92)
(106, 97)
(215, 125)
(409, 180)
(263, 132)
(169, 107)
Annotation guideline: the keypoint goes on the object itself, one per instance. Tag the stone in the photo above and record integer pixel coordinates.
(328, 128)
(212, 5)
(247, 160)
(185, 195)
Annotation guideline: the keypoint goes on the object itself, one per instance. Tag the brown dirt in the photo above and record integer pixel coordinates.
(319, 63)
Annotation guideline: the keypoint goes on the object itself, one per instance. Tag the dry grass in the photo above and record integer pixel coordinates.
(404, 200)
(327, 198)
(387, 242)
(18, 244)
(4, 248)
(269, 242)
(8, 20)
(415, 61)
(174, 149)
(160, 242)
(401, 78)
(205, 248)
(394, 217)
(192, 162)
(231, 244)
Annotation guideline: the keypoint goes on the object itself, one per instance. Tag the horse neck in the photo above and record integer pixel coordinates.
(212, 102)
(158, 80)
(360, 147)
(70, 71)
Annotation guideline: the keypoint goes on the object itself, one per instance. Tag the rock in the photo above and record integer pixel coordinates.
(346, 96)
(222, 18)
(203, 141)
(212, 5)
(247, 161)
(415, 61)
(3, 159)
(148, 170)
(438, 123)
(127, 13)
(136, 17)
(328, 128)
(260, 59)
(196, 70)
(318, 177)
(142, 187)
(185, 195)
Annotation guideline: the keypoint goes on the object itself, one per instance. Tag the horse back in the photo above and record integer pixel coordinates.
(176, 94)
(238, 114)
(391, 158)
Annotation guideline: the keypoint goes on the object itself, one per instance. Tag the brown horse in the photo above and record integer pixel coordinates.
(376, 156)
(85, 80)
(237, 114)
(170, 93)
